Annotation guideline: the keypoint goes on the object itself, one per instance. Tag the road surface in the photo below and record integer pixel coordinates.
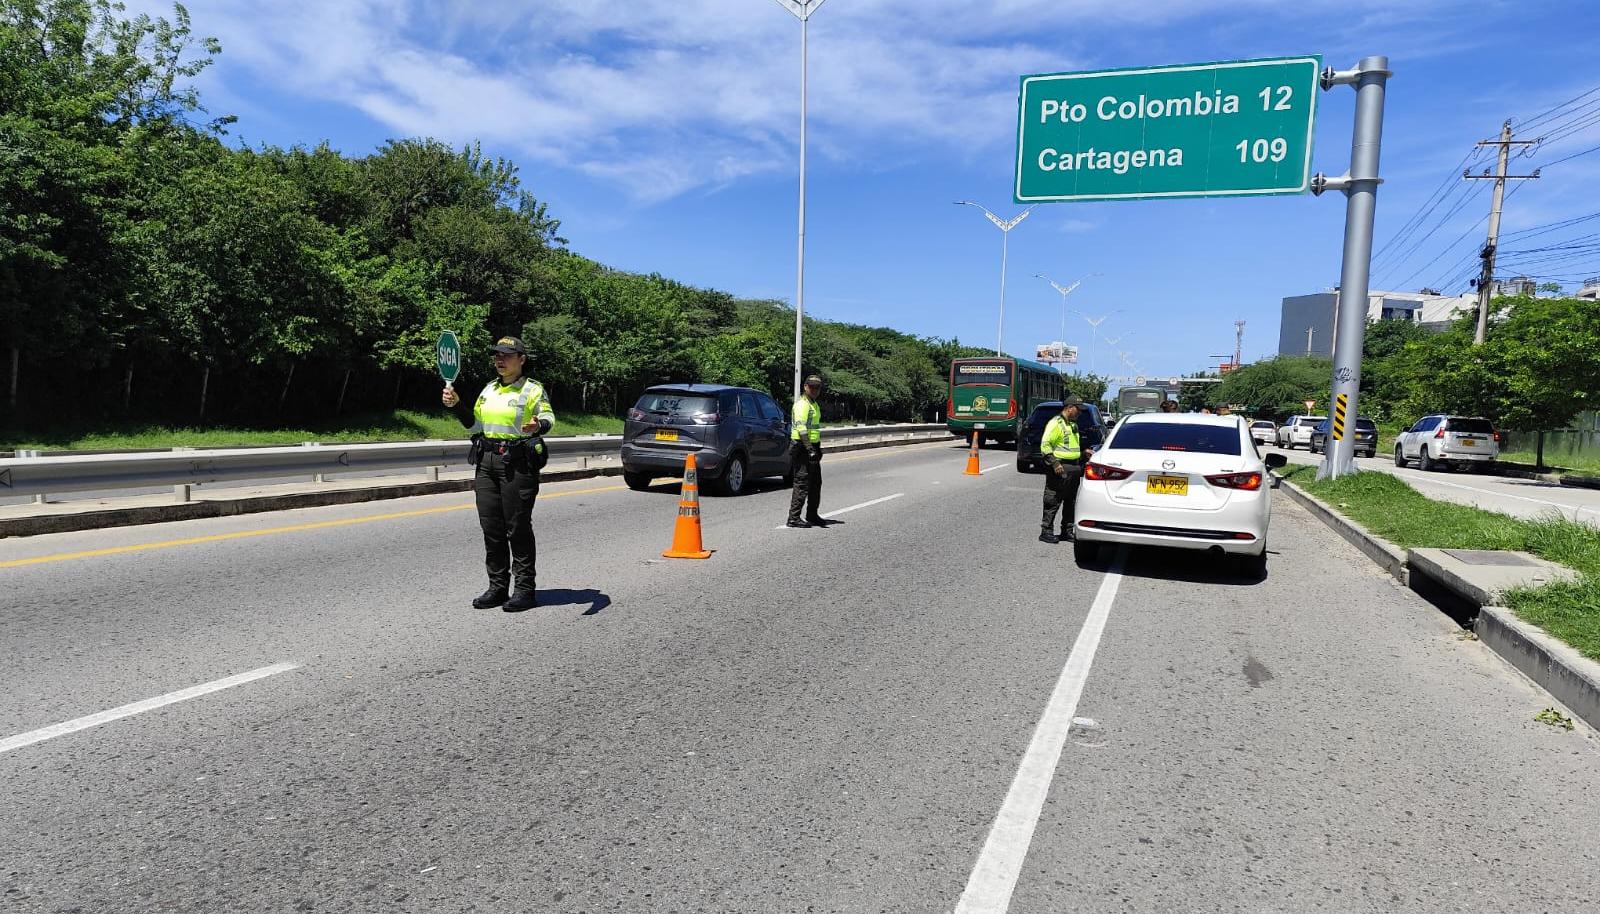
(811, 720)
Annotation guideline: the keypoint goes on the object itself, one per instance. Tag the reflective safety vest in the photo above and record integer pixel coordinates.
(502, 410)
(807, 422)
(1061, 440)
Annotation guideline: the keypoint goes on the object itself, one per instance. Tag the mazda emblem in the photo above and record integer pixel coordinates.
(1167, 464)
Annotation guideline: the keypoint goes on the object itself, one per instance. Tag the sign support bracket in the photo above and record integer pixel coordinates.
(1360, 187)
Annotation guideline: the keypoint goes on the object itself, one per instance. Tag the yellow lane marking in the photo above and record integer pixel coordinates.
(295, 528)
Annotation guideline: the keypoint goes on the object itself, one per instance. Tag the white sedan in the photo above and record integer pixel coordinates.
(1184, 480)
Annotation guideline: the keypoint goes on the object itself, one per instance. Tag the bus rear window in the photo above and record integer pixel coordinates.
(1174, 436)
(982, 373)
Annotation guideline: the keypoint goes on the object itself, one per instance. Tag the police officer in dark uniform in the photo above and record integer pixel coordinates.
(509, 419)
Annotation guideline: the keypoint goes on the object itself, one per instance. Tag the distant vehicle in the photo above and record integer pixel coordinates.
(1296, 430)
(1185, 480)
(1132, 401)
(736, 434)
(1091, 432)
(1460, 441)
(994, 396)
(1263, 431)
(1365, 432)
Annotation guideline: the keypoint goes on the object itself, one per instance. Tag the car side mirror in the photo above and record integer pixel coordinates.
(1275, 461)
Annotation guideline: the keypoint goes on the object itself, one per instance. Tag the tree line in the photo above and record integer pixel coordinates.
(1538, 368)
(149, 270)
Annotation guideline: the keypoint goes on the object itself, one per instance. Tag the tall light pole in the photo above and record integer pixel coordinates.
(1065, 291)
(1005, 226)
(1094, 325)
(802, 10)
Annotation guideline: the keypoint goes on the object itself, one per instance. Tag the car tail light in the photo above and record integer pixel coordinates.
(1499, 437)
(1244, 536)
(1099, 472)
(1440, 433)
(1248, 482)
(636, 415)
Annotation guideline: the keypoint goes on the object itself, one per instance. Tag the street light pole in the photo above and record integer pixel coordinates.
(802, 10)
(1065, 291)
(1094, 325)
(1005, 226)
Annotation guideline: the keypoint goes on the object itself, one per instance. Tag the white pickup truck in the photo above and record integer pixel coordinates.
(1296, 431)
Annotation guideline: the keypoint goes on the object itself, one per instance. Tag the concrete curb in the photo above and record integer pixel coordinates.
(1573, 679)
(1385, 554)
(228, 507)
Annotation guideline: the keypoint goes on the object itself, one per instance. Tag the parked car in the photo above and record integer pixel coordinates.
(1296, 430)
(1460, 441)
(1366, 437)
(736, 434)
(1263, 431)
(1185, 480)
(1091, 432)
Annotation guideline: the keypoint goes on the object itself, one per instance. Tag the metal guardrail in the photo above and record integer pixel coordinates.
(33, 475)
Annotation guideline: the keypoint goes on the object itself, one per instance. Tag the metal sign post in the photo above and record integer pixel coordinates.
(448, 351)
(1360, 186)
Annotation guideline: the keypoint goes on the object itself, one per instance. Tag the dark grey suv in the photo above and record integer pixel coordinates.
(735, 433)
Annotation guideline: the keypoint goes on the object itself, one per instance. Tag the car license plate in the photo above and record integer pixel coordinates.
(1167, 485)
(980, 425)
(666, 434)
(1469, 442)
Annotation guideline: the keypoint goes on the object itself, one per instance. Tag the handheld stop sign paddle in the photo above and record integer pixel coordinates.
(449, 353)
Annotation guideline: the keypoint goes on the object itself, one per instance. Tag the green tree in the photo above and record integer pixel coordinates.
(1275, 387)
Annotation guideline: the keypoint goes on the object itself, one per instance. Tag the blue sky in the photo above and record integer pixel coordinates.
(663, 134)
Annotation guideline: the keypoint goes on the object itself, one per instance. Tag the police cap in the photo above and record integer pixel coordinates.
(813, 380)
(510, 344)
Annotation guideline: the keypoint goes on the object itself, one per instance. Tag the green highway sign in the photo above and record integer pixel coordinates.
(449, 353)
(1235, 128)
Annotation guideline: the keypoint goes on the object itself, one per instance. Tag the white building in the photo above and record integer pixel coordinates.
(1307, 322)
(1590, 290)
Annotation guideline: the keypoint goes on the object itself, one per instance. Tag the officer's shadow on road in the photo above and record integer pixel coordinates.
(563, 596)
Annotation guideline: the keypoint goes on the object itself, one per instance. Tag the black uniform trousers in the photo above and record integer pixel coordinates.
(506, 486)
(1060, 492)
(805, 463)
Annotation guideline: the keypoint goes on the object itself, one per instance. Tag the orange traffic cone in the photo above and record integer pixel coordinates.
(972, 458)
(686, 533)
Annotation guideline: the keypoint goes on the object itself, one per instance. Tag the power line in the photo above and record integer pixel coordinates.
(1441, 192)
(1573, 156)
(1403, 258)
(1525, 124)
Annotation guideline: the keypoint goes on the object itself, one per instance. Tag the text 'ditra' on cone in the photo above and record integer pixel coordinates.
(686, 532)
(972, 458)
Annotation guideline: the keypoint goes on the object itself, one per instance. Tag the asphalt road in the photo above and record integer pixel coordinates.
(1517, 497)
(811, 720)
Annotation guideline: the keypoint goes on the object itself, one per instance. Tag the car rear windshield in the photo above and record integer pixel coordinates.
(675, 403)
(1041, 416)
(1366, 425)
(1175, 436)
(1475, 426)
(1261, 425)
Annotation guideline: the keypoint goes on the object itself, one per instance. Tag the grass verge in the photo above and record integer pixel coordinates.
(398, 425)
(1577, 463)
(1392, 509)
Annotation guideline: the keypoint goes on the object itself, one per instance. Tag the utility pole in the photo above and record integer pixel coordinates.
(1486, 278)
(1238, 343)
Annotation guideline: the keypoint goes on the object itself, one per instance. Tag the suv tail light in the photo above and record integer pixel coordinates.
(635, 414)
(1440, 433)
(707, 418)
(1099, 472)
(1247, 482)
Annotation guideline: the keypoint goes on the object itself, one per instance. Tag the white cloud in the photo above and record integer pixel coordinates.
(662, 96)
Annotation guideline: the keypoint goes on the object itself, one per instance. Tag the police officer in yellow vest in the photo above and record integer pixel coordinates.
(1062, 450)
(509, 419)
(805, 457)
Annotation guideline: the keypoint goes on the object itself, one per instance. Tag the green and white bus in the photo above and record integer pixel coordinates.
(993, 396)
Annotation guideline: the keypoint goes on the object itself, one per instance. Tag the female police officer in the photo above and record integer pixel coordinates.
(509, 417)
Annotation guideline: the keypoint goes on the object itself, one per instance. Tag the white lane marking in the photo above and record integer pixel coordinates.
(139, 707)
(865, 504)
(1490, 492)
(995, 467)
(994, 877)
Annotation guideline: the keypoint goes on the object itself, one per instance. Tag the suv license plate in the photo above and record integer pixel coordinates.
(666, 434)
(1469, 442)
(1167, 485)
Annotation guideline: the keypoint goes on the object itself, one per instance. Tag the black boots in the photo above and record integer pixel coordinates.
(521, 600)
(494, 596)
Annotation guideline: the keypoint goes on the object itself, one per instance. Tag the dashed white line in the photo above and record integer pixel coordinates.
(865, 504)
(994, 877)
(139, 707)
(995, 467)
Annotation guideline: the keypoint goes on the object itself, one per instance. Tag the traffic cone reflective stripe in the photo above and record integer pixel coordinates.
(686, 532)
(972, 458)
